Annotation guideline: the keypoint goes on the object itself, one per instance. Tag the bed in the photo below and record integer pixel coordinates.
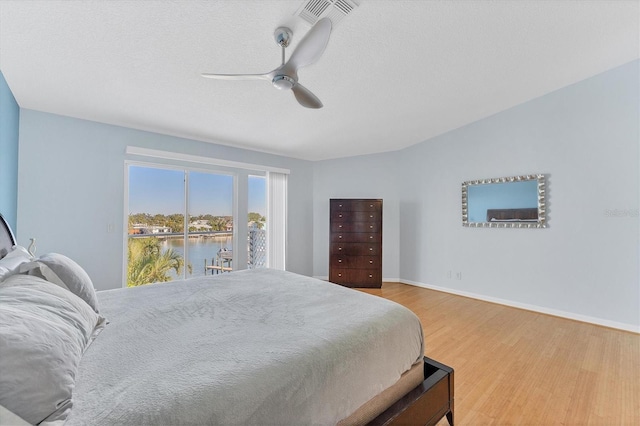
(513, 215)
(254, 347)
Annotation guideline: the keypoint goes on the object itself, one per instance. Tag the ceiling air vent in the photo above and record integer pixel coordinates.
(313, 10)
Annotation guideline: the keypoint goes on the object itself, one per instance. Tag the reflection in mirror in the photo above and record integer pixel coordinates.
(510, 202)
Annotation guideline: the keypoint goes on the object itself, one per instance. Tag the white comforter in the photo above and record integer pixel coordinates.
(259, 347)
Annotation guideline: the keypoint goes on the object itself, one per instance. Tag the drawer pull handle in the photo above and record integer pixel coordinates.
(370, 205)
(371, 237)
(339, 205)
(370, 276)
(370, 226)
(371, 262)
(339, 248)
(339, 260)
(339, 275)
(339, 215)
(339, 236)
(370, 248)
(339, 226)
(370, 215)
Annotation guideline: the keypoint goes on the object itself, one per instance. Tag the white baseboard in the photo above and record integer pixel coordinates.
(534, 308)
(555, 312)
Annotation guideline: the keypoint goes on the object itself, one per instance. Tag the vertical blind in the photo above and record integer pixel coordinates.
(276, 219)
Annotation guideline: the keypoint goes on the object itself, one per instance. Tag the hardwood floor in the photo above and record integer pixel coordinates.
(516, 367)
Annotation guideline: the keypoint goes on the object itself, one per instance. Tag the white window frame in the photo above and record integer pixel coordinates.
(175, 161)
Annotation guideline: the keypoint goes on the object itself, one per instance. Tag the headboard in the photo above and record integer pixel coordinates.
(508, 215)
(7, 240)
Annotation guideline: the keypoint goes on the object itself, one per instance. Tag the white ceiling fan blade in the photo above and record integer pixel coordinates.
(266, 76)
(305, 97)
(311, 46)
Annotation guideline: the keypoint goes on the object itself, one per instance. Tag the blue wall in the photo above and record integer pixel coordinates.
(584, 266)
(9, 124)
(584, 138)
(72, 190)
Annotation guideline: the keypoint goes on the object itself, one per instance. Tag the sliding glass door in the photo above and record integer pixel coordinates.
(257, 222)
(183, 222)
(156, 224)
(210, 232)
(161, 245)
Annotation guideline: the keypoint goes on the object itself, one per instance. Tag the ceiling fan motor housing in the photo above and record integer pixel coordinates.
(283, 82)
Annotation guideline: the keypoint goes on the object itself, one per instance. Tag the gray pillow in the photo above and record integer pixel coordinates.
(67, 273)
(8, 418)
(44, 330)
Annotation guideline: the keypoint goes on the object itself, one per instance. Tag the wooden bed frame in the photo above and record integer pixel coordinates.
(525, 214)
(426, 404)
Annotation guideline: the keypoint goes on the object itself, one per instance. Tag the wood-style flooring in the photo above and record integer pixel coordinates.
(516, 367)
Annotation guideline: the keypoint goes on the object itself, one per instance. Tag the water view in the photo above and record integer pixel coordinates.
(165, 202)
(201, 249)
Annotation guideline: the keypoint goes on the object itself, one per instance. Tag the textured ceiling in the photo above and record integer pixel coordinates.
(394, 73)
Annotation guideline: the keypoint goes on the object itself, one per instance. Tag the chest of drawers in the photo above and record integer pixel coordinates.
(355, 242)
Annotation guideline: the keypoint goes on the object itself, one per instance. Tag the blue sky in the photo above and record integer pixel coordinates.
(258, 194)
(161, 191)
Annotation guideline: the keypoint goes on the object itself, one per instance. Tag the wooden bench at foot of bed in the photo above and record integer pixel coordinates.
(427, 403)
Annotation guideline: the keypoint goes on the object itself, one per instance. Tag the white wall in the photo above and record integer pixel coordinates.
(369, 176)
(585, 265)
(71, 182)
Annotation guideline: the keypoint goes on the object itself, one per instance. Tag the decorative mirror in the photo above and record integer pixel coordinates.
(508, 202)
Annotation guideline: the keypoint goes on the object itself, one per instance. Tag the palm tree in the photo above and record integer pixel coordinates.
(149, 264)
(218, 223)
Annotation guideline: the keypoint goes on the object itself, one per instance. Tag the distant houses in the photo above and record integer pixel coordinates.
(200, 225)
(139, 228)
(203, 225)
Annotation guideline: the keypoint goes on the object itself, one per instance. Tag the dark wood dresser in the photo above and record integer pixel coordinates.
(355, 242)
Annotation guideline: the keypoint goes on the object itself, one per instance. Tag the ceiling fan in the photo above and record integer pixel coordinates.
(285, 77)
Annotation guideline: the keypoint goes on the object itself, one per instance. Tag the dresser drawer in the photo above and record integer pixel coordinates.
(355, 262)
(339, 276)
(356, 227)
(356, 249)
(346, 205)
(364, 278)
(353, 237)
(348, 216)
(356, 277)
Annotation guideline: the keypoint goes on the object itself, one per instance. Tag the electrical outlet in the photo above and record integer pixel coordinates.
(458, 275)
(449, 274)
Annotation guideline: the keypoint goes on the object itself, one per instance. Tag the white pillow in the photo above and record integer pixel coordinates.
(44, 330)
(59, 269)
(10, 264)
